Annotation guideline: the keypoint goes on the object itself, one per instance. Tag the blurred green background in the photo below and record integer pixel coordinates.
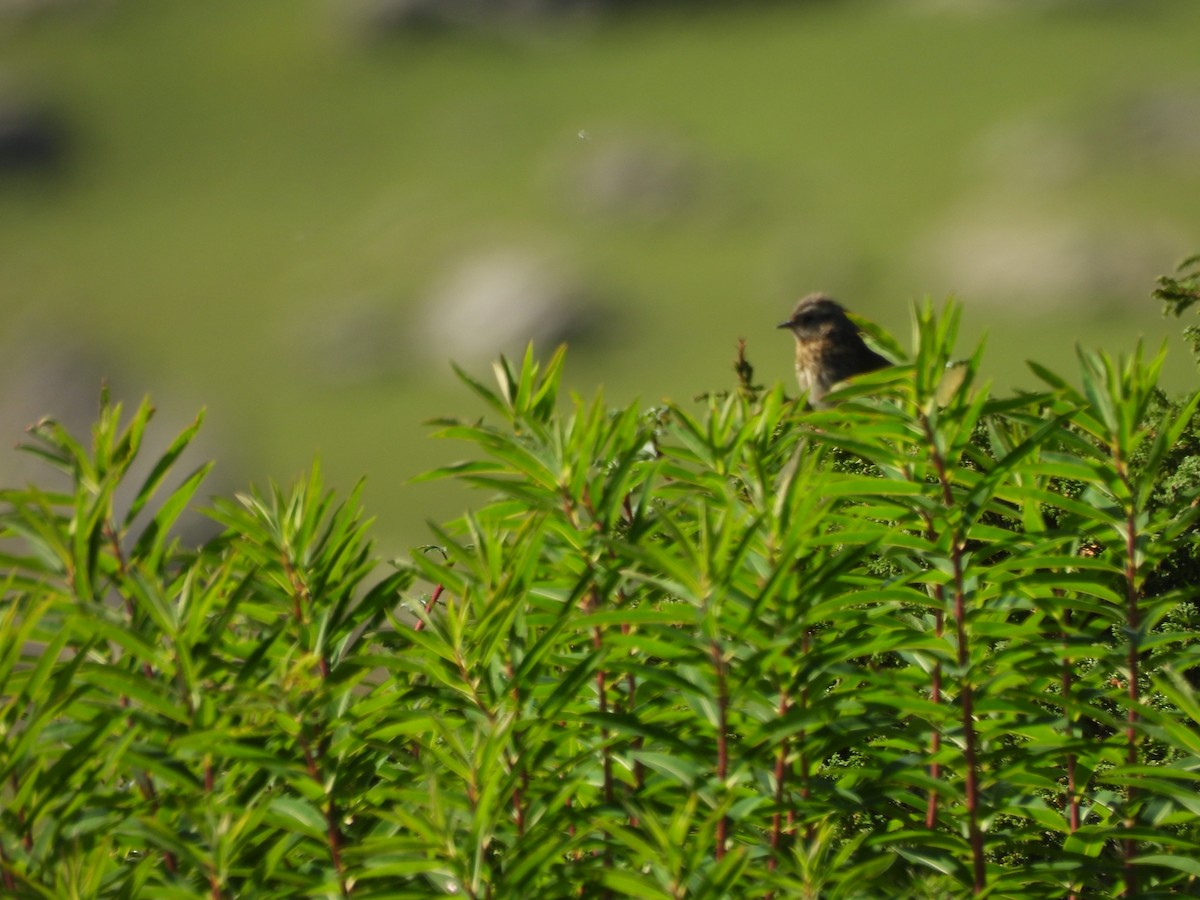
(296, 212)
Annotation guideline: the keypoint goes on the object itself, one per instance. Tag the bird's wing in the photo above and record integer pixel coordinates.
(853, 358)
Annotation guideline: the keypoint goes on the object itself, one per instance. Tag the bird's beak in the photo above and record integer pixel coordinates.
(787, 324)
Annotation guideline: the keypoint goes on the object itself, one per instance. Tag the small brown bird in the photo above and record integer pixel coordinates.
(829, 348)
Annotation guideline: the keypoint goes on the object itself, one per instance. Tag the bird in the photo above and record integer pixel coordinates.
(829, 348)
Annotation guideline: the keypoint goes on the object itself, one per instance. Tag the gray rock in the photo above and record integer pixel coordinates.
(1157, 126)
(17, 10)
(350, 341)
(46, 375)
(389, 16)
(1038, 263)
(496, 301)
(32, 136)
(640, 176)
(386, 17)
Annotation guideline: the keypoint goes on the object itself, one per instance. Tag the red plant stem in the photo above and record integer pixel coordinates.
(300, 594)
(145, 782)
(966, 690)
(518, 802)
(592, 601)
(576, 854)
(1067, 682)
(935, 695)
(1072, 795)
(1133, 623)
(523, 785)
(302, 598)
(602, 702)
(419, 625)
(805, 775)
(26, 836)
(332, 831)
(335, 845)
(935, 740)
(9, 882)
(433, 599)
(146, 786)
(114, 540)
(214, 881)
(168, 857)
(639, 768)
(606, 751)
(974, 834)
(780, 790)
(722, 738)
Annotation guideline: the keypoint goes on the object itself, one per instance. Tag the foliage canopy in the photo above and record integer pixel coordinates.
(929, 638)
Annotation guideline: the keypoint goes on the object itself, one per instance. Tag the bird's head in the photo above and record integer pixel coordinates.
(817, 316)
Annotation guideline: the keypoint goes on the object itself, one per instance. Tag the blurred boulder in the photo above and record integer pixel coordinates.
(32, 136)
(1156, 126)
(27, 9)
(387, 16)
(383, 17)
(497, 301)
(1039, 263)
(1033, 152)
(350, 341)
(1110, 136)
(23, 8)
(640, 176)
(46, 375)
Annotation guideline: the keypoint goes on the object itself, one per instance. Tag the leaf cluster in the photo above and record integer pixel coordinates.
(929, 638)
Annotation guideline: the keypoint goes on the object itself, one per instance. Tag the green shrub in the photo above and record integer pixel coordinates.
(927, 643)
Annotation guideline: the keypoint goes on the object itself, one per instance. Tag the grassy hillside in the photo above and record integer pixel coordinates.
(258, 201)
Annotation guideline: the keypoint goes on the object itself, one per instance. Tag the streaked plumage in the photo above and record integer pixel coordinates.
(829, 348)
